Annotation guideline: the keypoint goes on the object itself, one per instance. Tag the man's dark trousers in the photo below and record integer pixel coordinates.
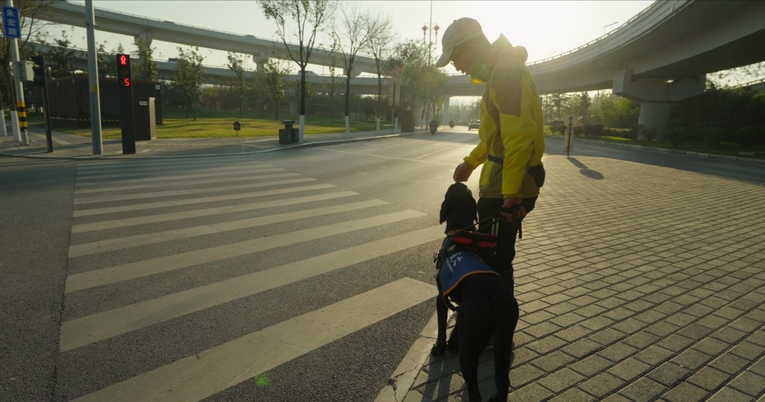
(506, 234)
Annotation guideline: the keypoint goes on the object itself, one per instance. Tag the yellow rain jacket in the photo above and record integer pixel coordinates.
(511, 128)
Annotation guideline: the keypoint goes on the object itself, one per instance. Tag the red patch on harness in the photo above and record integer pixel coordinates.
(482, 241)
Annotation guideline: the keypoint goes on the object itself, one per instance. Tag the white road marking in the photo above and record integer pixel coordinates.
(146, 219)
(111, 186)
(185, 233)
(173, 262)
(202, 375)
(187, 191)
(163, 204)
(96, 327)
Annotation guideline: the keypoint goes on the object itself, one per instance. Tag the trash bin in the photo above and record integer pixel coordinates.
(288, 135)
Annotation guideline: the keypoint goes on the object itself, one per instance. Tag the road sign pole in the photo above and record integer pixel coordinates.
(95, 99)
(21, 109)
(569, 140)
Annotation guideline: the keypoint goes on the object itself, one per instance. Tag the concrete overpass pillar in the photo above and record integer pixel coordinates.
(655, 96)
(260, 59)
(354, 72)
(654, 114)
(144, 36)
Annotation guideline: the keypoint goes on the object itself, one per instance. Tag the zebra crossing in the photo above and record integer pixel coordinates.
(193, 213)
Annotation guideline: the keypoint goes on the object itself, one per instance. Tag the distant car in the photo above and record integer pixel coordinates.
(473, 124)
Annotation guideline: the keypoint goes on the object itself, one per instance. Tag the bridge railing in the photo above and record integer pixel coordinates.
(614, 31)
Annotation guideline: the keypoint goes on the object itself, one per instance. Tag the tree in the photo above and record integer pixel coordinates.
(146, 68)
(332, 86)
(379, 45)
(309, 17)
(188, 78)
(620, 112)
(107, 65)
(351, 33)
(239, 82)
(272, 79)
(418, 78)
(31, 14)
(584, 106)
(60, 58)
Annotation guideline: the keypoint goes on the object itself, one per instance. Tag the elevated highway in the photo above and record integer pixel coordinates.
(660, 55)
(149, 29)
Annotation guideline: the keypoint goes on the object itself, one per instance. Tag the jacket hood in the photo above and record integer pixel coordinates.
(501, 49)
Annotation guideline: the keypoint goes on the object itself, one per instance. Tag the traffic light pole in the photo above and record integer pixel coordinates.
(41, 80)
(125, 89)
(46, 105)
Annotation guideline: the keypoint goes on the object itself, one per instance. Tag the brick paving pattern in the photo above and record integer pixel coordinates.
(635, 283)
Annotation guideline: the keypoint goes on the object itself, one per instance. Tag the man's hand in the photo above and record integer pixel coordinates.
(462, 172)
(511, 202)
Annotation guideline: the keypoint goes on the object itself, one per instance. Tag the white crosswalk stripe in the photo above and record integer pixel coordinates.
(102, 235)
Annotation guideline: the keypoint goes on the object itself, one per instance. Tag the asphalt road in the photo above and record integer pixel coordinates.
(285, 276)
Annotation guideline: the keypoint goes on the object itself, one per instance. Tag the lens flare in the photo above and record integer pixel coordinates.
(261, 380)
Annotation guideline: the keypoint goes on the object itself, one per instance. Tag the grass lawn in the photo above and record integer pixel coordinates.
(221, 124)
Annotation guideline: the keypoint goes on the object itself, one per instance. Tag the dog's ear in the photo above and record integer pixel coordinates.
(444, 212)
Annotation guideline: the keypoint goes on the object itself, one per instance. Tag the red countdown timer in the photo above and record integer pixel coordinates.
(123, 70)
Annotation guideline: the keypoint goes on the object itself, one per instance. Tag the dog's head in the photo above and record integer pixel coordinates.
(459, 208)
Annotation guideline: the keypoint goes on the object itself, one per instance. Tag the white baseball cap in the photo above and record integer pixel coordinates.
(459, 32)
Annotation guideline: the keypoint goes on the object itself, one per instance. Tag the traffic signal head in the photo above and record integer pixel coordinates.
(39, 70)
(123, 70)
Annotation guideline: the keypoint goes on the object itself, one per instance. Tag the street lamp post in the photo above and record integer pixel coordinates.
(429, 28)
(606, 26)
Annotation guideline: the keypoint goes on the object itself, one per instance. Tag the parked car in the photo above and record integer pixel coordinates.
(473, 124)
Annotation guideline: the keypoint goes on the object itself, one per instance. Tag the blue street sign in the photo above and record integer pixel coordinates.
(11, 25)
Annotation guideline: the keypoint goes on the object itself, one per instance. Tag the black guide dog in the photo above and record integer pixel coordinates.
(482, 296)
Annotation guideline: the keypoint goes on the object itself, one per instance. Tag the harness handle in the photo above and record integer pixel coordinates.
(513, 211)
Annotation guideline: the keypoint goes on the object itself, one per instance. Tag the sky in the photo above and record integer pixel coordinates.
(544, 27)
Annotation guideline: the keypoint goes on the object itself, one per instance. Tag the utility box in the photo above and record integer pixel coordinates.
(407, 121)
(145, 118)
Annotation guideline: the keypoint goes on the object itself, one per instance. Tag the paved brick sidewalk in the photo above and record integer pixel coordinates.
(636, 283)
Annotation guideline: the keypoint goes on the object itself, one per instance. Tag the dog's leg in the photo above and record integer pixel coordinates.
(505, 321)
(441, 313)
(474, 323)
(453, 344)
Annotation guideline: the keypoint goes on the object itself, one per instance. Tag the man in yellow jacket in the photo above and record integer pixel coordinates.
(511, 133)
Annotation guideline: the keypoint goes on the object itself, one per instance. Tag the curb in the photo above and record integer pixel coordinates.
(680, 152)
(46, 155)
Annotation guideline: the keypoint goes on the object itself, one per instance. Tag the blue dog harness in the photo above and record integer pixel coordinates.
(458, 266)
(456, 261)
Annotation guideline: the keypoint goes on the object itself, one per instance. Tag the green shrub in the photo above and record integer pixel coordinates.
(713, 136)
(750, 136)
(649, 133)
(557, 127)
(674, 123)
(676, 136)
(594, 130)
